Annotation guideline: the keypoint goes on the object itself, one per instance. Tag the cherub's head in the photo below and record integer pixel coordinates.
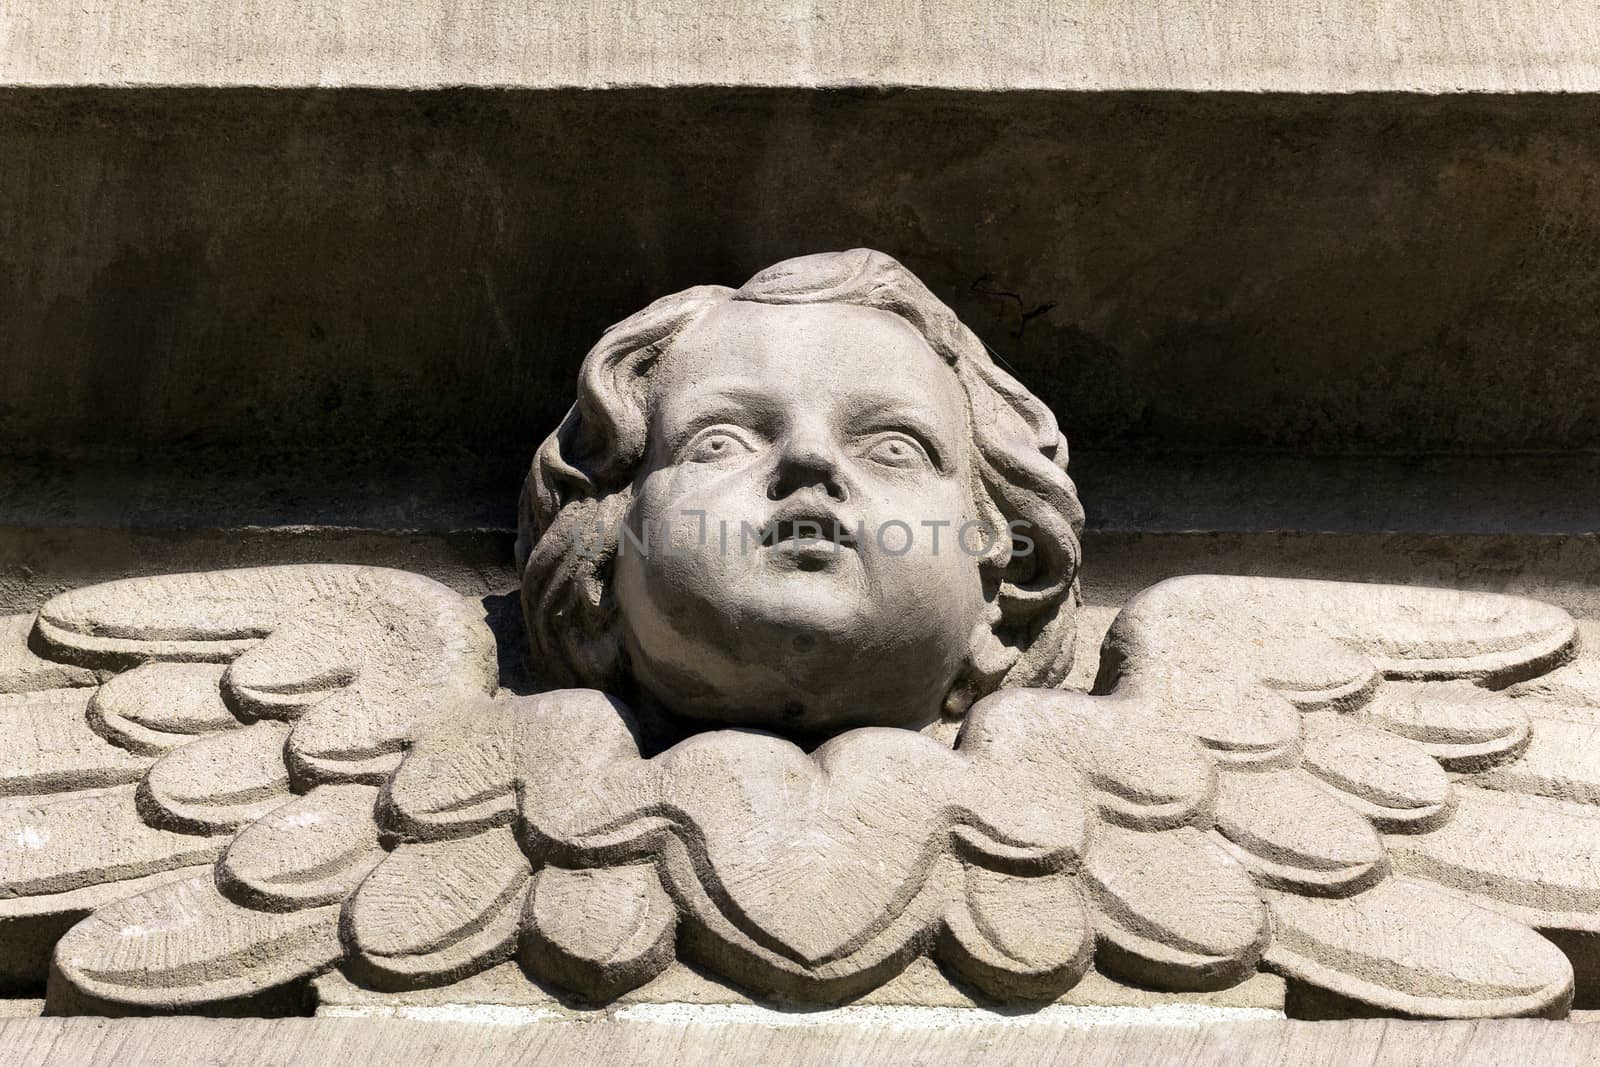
(808, 504)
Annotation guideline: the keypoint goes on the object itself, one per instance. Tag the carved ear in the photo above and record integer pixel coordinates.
(613, 422)
(604, 434)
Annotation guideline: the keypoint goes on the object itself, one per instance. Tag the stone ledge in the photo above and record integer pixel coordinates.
(1124, 492)
(712, 1039)
(1333, 46)
(37, 563)
(681, 990)
(463, 494)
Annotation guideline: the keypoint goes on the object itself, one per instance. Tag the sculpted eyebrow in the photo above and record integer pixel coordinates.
(716, 405)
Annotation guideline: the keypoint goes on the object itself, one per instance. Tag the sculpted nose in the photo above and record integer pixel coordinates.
(806, 462)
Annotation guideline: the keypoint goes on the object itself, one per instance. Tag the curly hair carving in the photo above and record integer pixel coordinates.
(581, 482)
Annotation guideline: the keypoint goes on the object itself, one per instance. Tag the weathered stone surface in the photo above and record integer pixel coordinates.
(438, 911)
(1394, 784)
(1342, 46)
(174, 698)
(1573, 687)
(358, 657)
(1019, 938)
(24, 671)
(64, 843)
(1557, 763)
(789, 803)
(924, 983)
(36, 564)
(752, 831)
(1144, 775)
(52, 746)
(1174, 910)
(1294, 833)
(599, 932)
(218, 783)
(459, 779)
(30, 926)
(1399, 946)
(1463, 726)
(259, 207)
(870, 1037)
(314, 849)
(1537, 858)
(1330, 647)
(185, 943)
(157, 707)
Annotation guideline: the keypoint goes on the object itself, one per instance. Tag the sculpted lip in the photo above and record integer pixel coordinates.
(808, 529)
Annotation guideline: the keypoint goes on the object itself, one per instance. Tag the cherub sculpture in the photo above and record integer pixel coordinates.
(804, 563)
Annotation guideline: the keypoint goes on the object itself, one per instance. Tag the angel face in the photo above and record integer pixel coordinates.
(806, 504)
(796, 557)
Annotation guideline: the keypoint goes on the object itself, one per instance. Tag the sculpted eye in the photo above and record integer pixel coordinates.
(717, 443)
(896, 450)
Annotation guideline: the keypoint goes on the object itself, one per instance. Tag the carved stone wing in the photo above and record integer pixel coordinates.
(1331, 781)
(1409, 775)
(243, 719)
(232, 781)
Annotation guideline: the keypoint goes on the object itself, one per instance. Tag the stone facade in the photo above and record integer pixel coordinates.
(717, 740)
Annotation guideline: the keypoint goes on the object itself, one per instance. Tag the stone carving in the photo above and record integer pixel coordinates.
(222, 784)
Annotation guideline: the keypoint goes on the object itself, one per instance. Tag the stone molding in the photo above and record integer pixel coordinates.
(709, 1038)
(1421, 46)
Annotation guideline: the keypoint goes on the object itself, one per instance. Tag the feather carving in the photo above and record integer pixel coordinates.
(287, 769)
